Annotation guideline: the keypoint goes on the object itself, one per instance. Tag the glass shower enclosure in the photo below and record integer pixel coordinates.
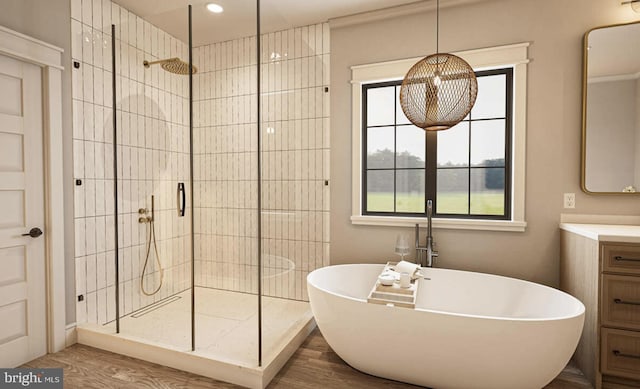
(214, 160)
(188, 258)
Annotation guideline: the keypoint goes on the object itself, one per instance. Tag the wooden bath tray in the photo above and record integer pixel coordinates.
(394, 294)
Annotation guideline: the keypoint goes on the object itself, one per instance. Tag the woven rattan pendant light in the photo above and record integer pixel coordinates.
(440, 90)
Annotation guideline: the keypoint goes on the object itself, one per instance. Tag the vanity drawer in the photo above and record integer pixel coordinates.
(620, 353)
(621, 301)
(621, 258)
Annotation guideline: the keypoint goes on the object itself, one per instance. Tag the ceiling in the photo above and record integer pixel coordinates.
(239, 16)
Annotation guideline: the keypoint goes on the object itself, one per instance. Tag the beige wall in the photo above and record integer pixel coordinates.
(555, 29)
(50, 21)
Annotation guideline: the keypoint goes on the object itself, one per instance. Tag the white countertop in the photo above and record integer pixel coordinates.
(605, 232)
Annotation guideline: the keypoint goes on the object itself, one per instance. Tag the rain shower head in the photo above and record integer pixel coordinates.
(172, 65)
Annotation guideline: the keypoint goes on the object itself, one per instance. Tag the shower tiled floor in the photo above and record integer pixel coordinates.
(226, 324)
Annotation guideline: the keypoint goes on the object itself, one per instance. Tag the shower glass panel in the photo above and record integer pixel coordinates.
(93, 149)
(226, 186)
(153, 180)
(219, 216)
(294, 105)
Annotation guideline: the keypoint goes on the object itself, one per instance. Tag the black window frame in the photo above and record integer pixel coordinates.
(431, 168)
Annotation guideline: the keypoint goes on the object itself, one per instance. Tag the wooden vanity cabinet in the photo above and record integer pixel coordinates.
(605, 276)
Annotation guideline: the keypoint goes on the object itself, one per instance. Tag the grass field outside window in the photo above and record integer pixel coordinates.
(484, 203)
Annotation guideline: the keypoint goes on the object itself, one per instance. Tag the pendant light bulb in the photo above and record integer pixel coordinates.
(436, 79)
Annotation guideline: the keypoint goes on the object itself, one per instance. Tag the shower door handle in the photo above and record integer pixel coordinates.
(181, 199)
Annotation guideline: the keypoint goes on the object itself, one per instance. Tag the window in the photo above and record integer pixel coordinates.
(465, 170)
(474, 172)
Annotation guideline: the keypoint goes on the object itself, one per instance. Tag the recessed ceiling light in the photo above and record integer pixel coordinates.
(215, 8)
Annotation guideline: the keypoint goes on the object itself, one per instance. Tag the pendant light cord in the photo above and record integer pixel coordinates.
(437, 26)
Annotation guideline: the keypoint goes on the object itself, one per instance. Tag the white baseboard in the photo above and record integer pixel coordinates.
(71, 334)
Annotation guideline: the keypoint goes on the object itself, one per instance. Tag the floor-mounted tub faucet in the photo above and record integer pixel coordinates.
(425, 255)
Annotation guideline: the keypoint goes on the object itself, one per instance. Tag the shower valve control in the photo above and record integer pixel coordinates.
(143, 211)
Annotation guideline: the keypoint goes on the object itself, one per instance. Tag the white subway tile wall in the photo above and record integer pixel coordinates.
(153, 156)
(295, 161)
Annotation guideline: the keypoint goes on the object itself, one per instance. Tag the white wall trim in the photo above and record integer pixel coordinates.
(479, 59)
(451, 224)
(28, 49)
(516, 56)
(49, 58)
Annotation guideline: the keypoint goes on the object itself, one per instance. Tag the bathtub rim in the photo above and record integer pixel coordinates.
(581, 307)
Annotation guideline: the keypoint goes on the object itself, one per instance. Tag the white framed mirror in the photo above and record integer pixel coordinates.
(611, 110)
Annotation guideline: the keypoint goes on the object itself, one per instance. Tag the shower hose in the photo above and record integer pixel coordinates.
(151, 237)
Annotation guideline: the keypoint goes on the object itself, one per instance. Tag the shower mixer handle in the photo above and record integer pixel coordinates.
(143, 211)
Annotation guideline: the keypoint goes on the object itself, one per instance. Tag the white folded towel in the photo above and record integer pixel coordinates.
(406, 267)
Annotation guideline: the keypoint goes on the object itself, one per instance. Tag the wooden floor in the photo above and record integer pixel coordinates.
(314, 365)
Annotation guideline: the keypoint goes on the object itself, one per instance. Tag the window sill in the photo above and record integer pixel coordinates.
(451, 224)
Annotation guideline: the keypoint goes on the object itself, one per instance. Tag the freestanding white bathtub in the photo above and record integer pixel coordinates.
(468, 330)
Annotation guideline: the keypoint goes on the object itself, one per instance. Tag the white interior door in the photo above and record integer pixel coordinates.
(22, 258)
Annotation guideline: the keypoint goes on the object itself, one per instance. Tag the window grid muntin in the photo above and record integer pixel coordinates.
(432, 169)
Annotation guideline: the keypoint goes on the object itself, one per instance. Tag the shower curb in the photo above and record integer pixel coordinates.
(194, 362)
